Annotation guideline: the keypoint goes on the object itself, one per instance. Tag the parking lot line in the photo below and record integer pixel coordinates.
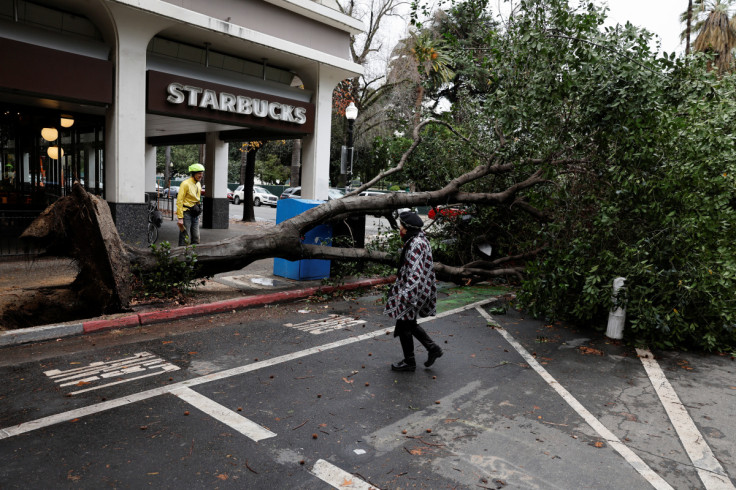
(630, 456)
(710, 471)
(332, 475)
(144, 395)
(223, 414)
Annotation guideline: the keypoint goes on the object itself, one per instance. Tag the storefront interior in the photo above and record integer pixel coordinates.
(43, 152)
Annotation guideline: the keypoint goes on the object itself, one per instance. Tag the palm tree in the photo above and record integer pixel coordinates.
(688, 28)
(716, 32)
(430, 64)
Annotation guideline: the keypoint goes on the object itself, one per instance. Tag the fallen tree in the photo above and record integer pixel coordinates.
(80, 227)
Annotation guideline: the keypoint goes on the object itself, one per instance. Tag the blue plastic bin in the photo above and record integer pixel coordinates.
(306, 269)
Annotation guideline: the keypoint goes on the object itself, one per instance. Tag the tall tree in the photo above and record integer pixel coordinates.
(715, 28)
(688, 25)
(428, 65)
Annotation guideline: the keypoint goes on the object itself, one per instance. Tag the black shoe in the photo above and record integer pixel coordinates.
(433, 355)
(403, 366)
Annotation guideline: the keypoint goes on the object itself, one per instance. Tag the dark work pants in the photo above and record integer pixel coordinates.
(406, 330)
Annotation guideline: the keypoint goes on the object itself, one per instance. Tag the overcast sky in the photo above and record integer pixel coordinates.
(658, 16)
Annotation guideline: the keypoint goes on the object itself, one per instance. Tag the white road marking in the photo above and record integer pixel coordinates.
(104, 371)
(630, 456)
(145, 395)
(219, 412)
(323, 325)
(332, 475)
(710, 471)
(93, 367)
(113, 383)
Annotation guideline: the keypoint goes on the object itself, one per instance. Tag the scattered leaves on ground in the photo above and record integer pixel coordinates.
(590, 350)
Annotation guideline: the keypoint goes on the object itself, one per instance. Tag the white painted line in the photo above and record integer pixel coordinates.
(113, 383)
(630, 456)
(223, 414)
(323, 325)
(145, 395)
(332, 475)
(96, 366)
(710, 471)
(100, 373)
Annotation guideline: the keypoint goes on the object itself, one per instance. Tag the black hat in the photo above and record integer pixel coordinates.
(411, 220)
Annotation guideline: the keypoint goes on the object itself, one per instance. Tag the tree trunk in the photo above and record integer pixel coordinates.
(250, 170)
(296, 163)
(242, 163)
(78, 226)
(688, 26)
(167, 168)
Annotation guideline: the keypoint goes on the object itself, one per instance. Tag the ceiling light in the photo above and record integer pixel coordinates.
(49, 134)
(53, 152)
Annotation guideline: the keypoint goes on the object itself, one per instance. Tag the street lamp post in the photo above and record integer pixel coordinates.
(351, 113)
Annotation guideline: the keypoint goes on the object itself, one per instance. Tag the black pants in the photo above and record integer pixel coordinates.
(406, 330)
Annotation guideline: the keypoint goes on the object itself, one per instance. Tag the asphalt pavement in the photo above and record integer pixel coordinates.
(301, 395)
(298, 393)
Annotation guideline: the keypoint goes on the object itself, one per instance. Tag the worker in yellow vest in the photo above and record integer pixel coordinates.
(188, 208)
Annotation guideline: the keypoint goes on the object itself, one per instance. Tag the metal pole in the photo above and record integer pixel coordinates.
(350, 152)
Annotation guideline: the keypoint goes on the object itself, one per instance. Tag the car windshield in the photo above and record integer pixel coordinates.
(261, 190)
(335, 193)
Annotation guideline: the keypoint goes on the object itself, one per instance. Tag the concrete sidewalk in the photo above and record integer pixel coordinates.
(252, 286)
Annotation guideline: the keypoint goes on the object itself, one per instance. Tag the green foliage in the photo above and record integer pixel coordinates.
(181, 157)
(653, 199)
(270, 171)
(171, 278)
(639, 156)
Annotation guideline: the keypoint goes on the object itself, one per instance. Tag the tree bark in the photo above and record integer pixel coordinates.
(296, 163)
(249, 215)
(688, 26)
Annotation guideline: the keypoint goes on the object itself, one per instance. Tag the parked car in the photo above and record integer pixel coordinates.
(291, 193)
(334, 193)
(261, 195)
(296, 193)
(371, 193)
(171, 191)
(449, 211)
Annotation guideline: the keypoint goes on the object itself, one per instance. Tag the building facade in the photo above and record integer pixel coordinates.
(90, 88)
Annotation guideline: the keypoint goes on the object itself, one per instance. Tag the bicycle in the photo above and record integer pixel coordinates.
(155, 219)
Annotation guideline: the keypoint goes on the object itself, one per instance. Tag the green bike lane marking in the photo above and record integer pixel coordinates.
(450, 298)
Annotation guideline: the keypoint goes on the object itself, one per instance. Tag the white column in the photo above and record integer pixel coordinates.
(215, 165)
(316, 147)
(150, 176)
(125, 167)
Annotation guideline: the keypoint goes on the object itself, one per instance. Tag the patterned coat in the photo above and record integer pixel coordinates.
(415, 291)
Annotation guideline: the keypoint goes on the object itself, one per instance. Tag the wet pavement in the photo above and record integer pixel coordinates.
(301, 396)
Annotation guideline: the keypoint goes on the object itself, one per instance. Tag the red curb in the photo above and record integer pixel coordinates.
(249, 301)
(122, 322)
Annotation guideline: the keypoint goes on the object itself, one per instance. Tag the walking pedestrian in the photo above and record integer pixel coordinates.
(188, 207)
(414, 294)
